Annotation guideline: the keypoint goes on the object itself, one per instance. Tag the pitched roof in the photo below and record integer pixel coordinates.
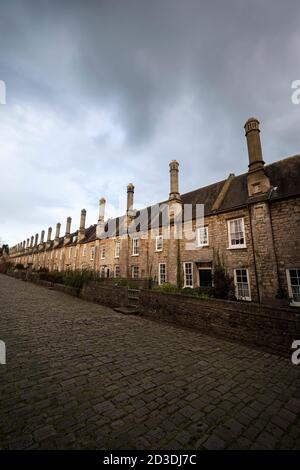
(283, 174)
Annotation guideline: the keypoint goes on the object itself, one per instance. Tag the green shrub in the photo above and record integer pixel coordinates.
(223, 287)
(52, 276)
(189, 291)
(19, 266)
(78, 278)
(6, 267)
(204, 292)
(165, 288)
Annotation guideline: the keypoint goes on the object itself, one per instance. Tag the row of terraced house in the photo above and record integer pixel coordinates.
(251, 222)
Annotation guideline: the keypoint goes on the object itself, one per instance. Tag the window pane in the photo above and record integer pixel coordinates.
(242, 285)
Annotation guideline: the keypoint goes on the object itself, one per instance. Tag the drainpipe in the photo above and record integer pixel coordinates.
(253, 252)
(272, 234)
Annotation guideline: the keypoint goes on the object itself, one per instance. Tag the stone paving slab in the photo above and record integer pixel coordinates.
(80, 375)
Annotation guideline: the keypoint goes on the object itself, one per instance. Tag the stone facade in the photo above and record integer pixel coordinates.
(251, 223)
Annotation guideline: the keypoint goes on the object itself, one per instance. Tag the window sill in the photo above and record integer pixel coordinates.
(236, 247)
(135, 254)
(158, 251)
(294, 304)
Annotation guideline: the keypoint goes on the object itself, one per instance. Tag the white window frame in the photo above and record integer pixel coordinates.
(103, 251)
(135, 246)
(160, 281)
(84, 250)
(199, 229)
(290, 290)
(185, 284)
(132, 272)
(117, 248)
(159, 238)
(92, 253)
(248, 298)
(233, 246)
(117, 266)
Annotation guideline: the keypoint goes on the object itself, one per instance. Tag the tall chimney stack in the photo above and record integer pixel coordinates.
(36, 239)
(174, 186)
(31, 241)
(67, 237)
(100, 224)
(258, 182)
(41, 245)
(130, 193)
(81, 232)
(48, 244)
(68, 226)
(49, 234)
(56, 240)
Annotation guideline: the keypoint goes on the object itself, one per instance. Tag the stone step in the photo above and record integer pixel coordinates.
(130, 310)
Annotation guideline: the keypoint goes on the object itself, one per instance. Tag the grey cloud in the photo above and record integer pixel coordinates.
(177, 78)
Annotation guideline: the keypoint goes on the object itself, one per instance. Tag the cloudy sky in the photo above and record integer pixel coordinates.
(100, 93)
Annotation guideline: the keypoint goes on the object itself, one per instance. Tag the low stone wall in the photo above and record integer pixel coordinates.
(111, 296)
(62, 288)
(268, 328)
(133, 283)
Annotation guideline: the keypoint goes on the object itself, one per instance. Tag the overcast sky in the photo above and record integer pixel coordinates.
(100, 93)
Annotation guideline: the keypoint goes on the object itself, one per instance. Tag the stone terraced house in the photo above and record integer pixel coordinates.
(251, 223)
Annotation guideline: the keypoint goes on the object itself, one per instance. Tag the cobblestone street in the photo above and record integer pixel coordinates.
(79, 375)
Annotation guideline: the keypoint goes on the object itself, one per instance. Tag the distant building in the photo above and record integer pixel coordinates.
(251, 223)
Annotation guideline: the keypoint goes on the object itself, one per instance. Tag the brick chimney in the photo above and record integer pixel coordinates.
(100, 224)
(174, 186)
(67, 236)
(81, 232)
(258, 182)
(31, 241)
